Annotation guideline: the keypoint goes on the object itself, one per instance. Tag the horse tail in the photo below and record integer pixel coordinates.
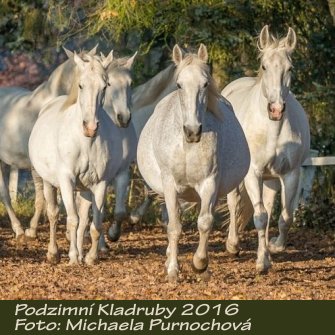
(244, 209)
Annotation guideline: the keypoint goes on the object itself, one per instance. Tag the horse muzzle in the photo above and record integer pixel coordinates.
(90, 129)
(276, 111)
(192, 135)
(123, 122)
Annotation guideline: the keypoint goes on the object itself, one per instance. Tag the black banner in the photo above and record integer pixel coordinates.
(166, 317)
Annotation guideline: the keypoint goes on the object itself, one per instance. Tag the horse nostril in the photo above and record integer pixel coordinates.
(119, 117)
(186, 131)
(199, 130)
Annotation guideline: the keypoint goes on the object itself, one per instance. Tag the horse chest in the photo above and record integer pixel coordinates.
(191, 163)
(93, 165)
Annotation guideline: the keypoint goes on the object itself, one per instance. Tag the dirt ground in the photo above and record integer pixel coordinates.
(134, 268)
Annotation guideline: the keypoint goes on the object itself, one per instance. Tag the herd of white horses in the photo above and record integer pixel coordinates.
(83, 128)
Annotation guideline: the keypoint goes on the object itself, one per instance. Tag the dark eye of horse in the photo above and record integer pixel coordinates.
(263, 67)
(81, 86)
(290, 69)
(178, 85)
(206, 84)
(108, 84)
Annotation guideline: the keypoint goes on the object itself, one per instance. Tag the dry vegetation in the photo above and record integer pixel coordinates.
(134, 268)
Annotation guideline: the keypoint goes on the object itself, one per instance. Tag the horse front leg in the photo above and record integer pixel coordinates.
(254, 186)
(4, 192)
(208, 194)
(98, 201)
(50, 194)
(121, 184)
(289, 186)
(173, 227)
(39, 205)
(67, 190)
(84, 202)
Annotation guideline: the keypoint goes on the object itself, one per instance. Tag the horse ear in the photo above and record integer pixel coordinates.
(202, 53)
(130, 61)
(80, 63)
(290, 40)
(68, 53)
(93, 51)
(264, 38)
(106, 60)
(177, 54)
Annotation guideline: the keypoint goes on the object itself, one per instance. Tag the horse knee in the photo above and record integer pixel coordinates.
(205, 222)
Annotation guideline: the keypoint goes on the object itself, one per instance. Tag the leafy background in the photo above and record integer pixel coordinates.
(229, 28)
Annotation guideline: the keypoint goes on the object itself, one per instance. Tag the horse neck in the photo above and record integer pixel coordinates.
(155, 89)
(59, 83)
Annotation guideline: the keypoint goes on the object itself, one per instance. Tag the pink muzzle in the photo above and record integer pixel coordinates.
(276, 111)
(90, 129)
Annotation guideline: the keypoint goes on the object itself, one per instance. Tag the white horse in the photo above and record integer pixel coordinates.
(192, 148)
(73, 145)
(278, 135)
(19, 109)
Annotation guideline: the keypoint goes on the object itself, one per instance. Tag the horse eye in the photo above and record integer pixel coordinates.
(81, 86)
(206, 84)
(263, 67)
(178, 85)
(108, 84)
(290, 69)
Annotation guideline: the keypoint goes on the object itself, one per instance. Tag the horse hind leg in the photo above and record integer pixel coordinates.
(50, 194)
(121, 184)
(289, 184)
(240, 211)
(207, 193)
(4, 192)
(31, 232)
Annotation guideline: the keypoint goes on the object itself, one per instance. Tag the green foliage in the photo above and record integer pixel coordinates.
(229, 28)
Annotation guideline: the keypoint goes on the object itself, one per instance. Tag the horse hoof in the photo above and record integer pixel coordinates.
(135, 218)
(53, 258)
(30, 234)
(232, 249)
(74, 261)
(90, 261)
(199, 265)
(263, 267)
(114, 232)
(173, 276)
(274, 248)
